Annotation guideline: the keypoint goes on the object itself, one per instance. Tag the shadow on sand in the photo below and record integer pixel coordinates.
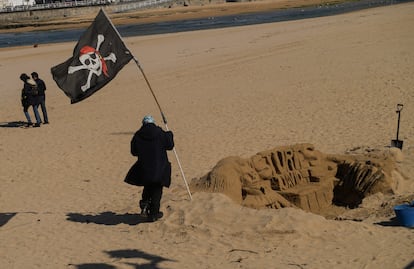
(392, 222)
(410, 265)
(13, 124)
(5, 217)
(151, 261)
(107, 218)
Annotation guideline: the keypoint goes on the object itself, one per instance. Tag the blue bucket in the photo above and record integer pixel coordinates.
(405, 214)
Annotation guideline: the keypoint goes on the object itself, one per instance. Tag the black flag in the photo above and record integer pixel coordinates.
(98, 56)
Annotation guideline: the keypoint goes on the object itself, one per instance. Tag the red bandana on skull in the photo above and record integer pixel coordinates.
(89, 49)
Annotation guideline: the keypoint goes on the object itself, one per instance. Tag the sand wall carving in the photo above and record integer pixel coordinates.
(299, 176)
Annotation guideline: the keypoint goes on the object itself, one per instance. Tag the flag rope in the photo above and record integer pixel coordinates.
(166, 126)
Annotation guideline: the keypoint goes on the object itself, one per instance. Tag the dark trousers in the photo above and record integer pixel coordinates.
(152, 195)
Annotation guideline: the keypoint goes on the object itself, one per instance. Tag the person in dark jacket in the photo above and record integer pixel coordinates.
(152, 170)
(28, 98)
(41, 88)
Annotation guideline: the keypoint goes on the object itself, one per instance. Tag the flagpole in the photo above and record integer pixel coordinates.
(164, 119)
(165, 123)
(156, 100)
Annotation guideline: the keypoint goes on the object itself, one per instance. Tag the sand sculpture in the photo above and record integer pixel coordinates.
(300, 176)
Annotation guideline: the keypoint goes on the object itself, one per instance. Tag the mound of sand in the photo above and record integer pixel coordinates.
(301, 176)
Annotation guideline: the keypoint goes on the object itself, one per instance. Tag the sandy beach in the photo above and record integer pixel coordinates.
(333, 82)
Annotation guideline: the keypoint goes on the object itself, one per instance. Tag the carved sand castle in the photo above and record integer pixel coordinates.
(300, 176)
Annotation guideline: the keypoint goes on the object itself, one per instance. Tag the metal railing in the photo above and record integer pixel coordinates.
(83, 3)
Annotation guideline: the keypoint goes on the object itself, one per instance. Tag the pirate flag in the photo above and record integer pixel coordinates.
(98, 56)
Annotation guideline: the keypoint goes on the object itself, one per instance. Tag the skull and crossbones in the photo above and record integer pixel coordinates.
(92, 60)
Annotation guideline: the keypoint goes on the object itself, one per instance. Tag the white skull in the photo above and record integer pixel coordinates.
(91, 62)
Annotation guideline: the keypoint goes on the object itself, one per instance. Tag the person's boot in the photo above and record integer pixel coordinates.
(155, 217)
(145, 206)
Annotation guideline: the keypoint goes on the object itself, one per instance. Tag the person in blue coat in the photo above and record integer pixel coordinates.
(152, 169)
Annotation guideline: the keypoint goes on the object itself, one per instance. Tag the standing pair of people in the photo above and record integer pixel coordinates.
(33, 94)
